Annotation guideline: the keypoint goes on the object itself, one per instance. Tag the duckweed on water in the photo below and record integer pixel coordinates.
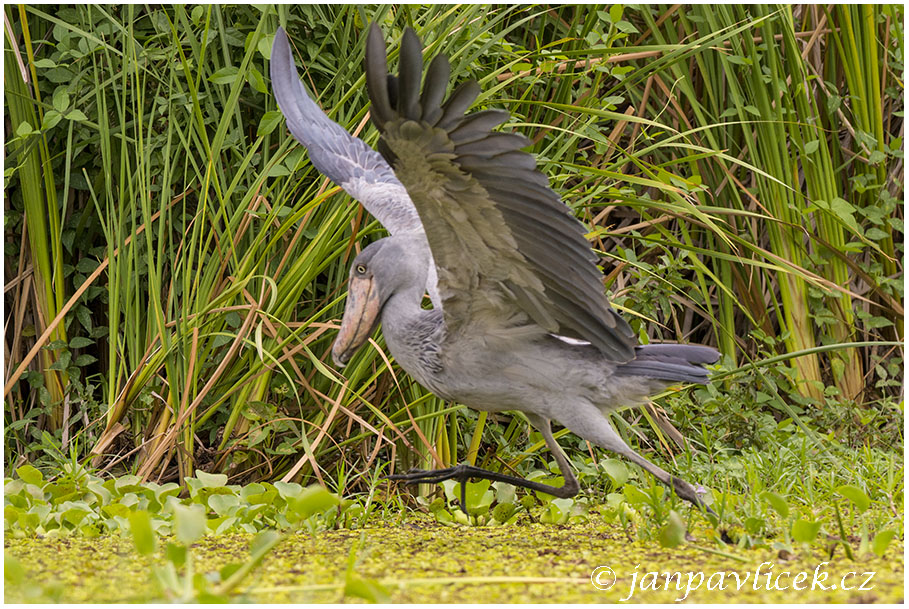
(422, 561)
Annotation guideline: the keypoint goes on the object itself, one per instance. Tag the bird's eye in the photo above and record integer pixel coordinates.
(361, 268)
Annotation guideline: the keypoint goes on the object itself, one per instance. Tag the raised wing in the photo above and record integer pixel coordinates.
(503, 241)
(345, 160)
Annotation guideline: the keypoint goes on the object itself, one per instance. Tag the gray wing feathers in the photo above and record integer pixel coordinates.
(491, 219)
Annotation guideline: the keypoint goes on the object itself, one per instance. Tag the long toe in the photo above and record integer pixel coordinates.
(416, 476)
(689, 494)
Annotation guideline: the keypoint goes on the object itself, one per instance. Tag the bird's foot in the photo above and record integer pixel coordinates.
(689, 494)
(460, 473)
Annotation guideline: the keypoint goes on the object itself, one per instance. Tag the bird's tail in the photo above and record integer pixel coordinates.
(670, 362)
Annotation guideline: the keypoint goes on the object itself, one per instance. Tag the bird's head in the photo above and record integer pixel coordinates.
(388, 266)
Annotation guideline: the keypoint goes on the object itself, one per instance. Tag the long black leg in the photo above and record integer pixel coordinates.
(463, 472)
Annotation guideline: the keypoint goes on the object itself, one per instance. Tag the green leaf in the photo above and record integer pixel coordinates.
(739, 60)
(189, 523)
(877, 156)
(223, 505)
(115, 509)
(75, 515)
(76, 115)
(24, 129)
(175, 554)
(503, 511)
(77, 342)
(141, 530)
(51, 119)
(30, 475)
(264, 45)
(86, 265)
(812, 146)
(84, 360)
(314, 499)
(368, 589)
(777, 503)
(13, 571)
(845, 211)
(61, 99)
(211, 480)
(288, 489)
(616, 471)
(224, 76)
(270, 120)
(635, 496)
(84, 315)
(479, 497)
(673, 534)
(805, 531)
(626, 27)
(881, 541)
(256, 81)
(855, 495)
(62, 362)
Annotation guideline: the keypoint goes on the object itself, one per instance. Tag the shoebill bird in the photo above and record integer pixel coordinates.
(519, 319)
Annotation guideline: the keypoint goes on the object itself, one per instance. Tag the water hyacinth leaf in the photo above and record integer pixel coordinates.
(288, 489)
(127, 484)
(312, 500)
(211, 480)
(74, 515)
(557, 511)
(223, 505)
(673, 534)
(140, 528)
(805, 531)
(189, 523)
(616, 471)
(479, 497)
(503, 511)
(505, 493)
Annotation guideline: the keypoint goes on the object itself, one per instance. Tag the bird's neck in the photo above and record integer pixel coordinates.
(401, 311)
(412, 334)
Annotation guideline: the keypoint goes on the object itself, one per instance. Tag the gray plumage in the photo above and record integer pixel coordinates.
(520, 319)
